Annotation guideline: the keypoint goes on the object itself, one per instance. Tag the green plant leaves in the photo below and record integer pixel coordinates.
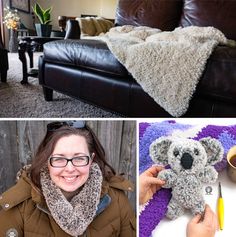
(44, 16)
(47, 15)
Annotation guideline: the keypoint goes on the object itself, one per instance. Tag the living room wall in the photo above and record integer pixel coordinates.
(105, 8)
(108, 8)
(26, 19)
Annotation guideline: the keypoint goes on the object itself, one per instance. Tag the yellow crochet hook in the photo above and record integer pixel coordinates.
(220, 209)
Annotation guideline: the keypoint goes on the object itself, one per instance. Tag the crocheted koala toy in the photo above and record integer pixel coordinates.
(191, 164)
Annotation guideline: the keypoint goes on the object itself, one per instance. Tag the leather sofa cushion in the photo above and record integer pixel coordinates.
(162, 14)
(85, 54)
(219, 77)
(218, 13)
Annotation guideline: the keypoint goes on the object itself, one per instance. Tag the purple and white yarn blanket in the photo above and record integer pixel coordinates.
(156, 209)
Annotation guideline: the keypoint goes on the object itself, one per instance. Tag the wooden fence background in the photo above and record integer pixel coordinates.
(20, 139)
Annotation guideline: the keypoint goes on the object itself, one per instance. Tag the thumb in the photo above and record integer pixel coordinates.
(196, 219)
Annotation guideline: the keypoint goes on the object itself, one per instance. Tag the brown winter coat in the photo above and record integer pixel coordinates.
(24, 210)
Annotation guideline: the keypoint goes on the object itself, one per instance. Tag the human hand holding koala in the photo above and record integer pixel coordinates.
(191, 164)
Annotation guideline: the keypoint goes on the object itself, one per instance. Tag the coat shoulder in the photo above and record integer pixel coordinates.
(119, 182)
(17, 194)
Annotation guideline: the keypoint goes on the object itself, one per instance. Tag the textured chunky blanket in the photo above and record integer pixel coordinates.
(167, 65)
(156, 209)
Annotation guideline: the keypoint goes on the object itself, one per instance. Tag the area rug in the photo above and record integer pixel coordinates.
(156, 209)
(23, 101)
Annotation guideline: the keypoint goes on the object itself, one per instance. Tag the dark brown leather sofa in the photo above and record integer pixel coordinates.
(86, 69)
(3, 61)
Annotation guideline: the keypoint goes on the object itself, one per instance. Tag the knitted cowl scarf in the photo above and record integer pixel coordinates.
(75, 216)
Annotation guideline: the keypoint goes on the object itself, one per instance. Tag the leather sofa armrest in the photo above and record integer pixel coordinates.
(72, 30)
(62, 20)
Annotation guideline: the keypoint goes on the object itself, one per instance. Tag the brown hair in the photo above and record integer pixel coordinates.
(47, 145)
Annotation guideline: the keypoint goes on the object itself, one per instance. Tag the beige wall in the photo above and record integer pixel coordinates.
(70, 8)
(104, 8)
(108, 8)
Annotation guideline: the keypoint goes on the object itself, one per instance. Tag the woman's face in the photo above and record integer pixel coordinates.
(70, 178)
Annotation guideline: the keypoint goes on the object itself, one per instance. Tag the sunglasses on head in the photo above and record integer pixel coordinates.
(72, 123)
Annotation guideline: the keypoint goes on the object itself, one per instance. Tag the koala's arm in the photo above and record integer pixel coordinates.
(208, 175)
(168, 176)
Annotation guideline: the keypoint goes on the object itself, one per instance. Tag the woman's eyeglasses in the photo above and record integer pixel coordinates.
(73, 123)
(60, 162)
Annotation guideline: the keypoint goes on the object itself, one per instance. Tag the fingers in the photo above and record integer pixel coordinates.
(152, 180)
(148, 177)
(154, 170)
(210, 218)
(196, 219)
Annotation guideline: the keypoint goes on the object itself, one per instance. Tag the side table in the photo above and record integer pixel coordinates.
(29, 45)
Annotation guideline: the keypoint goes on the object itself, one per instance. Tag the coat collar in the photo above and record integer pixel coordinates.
(25, 189)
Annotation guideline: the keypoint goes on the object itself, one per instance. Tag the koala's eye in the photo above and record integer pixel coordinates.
(176, 153)
(196, 151)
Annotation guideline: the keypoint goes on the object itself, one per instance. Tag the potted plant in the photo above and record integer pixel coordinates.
(43, 28)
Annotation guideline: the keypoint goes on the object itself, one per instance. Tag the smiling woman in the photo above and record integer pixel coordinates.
(69, 190)
(70, 174)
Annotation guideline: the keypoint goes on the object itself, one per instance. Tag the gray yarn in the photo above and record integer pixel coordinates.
(74, 216)
(186, 183)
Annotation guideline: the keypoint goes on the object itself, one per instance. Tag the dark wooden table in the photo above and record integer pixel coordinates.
(29, 45)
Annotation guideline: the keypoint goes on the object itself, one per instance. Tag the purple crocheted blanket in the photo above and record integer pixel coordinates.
(156, 209)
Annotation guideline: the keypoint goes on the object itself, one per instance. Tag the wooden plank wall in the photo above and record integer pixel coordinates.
(20, 139)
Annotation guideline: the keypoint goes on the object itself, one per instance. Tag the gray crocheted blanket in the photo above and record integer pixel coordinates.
(167, 65)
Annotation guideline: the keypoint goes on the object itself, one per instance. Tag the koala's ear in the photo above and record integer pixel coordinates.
(158, 150)
(214, 150)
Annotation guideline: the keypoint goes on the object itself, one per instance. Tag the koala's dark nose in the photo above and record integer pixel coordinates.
(186, 161)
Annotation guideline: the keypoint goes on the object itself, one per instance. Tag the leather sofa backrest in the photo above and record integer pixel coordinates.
(218, 13)
(169, 14)
(162, 14)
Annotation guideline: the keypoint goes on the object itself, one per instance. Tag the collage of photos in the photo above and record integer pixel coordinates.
(117, 118)
(142, 177)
